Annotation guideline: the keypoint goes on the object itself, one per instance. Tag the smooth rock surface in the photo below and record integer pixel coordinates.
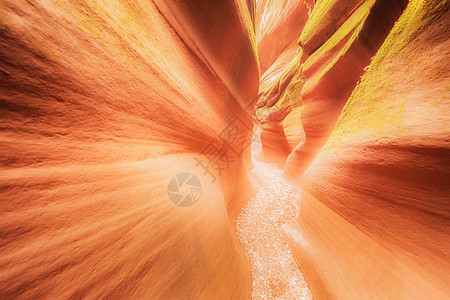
(374, 219)
(102, 103)
(279, 98)
(278, 24)
(338, 42)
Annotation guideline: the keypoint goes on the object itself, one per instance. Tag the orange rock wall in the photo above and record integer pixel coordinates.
(102, 103)
(278, 24)
(374, 218)
(332, 71)
(279, 97)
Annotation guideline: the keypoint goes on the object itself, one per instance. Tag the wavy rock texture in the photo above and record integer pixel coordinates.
(374, 221)
(338, 41)
(278, 24)
(279, 100)
(102, 103)
(279, 97)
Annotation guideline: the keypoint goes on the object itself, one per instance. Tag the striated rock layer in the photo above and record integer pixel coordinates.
(279, 97)
(102, 103)
(374, 220)
(279, 101)
(338, 41)
(278, 24)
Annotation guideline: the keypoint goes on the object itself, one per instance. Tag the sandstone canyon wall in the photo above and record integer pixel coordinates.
(277, 25)
(337, 42)
(374, 219)
(313, 77)
(102, 103)
(279, 101)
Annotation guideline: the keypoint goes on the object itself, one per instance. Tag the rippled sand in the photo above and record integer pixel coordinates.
(275, 273)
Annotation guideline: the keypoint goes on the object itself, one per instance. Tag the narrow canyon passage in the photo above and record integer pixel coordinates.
(129, 167)
(275, 274)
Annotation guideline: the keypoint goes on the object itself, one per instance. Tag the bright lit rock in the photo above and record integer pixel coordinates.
(125, 131)
(374, 219)
(102, 103)
(278, 24)
(338, 42)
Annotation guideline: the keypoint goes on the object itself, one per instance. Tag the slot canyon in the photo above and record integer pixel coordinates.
(226, 149)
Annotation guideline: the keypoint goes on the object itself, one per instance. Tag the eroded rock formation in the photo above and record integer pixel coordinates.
(278, 24)
(374, 221)
(108, 105)
(279, 99)
(102, 103)
(338, 42)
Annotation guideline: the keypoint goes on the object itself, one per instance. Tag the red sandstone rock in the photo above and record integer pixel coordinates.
(270, 79)
(101, 105)
(374, 217)
(333, 69)
(277, 26)
(279, 95)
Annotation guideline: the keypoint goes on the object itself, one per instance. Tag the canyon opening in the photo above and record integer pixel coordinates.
(226, 149)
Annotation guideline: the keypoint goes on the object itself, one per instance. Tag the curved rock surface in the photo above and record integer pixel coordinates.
(374, 220)
(338, 42)
(278, 24)
(279, 102)
(102, 103)
(125, 137)
(279, 97)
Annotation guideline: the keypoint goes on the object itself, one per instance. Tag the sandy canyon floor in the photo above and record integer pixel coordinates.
(274, 271)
